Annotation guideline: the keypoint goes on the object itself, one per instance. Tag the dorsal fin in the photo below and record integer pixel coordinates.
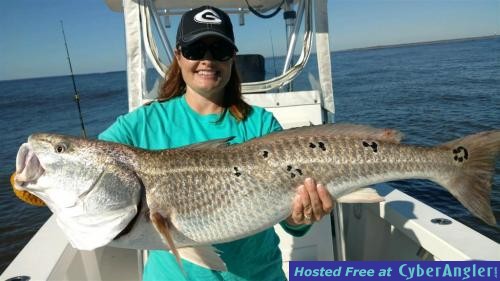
(339, 130)
(217, 143)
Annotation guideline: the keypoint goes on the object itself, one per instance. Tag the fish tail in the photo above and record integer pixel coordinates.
(474, 156)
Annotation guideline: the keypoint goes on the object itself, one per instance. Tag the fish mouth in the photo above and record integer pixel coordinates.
(28, 167)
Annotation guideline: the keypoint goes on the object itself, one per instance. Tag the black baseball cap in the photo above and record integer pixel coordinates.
(202, 22)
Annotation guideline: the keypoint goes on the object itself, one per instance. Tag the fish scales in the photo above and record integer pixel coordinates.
(213, 192)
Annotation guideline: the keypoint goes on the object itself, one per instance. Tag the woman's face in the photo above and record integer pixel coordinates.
(206, 76)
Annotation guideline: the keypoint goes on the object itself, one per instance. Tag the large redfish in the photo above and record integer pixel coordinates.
(213, 192)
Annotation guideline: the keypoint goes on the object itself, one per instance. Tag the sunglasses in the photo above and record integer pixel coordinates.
(220, 50)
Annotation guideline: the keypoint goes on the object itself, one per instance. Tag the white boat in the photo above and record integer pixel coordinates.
(401, 228)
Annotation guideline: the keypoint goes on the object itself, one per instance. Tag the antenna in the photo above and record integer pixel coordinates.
(77, 95)
(274, 57)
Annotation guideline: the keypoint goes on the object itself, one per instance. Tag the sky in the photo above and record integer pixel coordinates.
(31, 42)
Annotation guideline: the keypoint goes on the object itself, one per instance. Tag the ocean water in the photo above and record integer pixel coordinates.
(432, 92)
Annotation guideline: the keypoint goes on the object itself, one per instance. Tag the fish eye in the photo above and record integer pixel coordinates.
(60, 147)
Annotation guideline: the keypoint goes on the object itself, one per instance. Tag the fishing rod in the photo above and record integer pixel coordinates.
(274, 56)
(24, 195)
(77, 95)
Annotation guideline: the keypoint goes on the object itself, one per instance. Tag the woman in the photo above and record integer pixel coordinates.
(201, 100)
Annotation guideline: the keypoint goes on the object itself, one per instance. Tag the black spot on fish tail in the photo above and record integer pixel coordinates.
(299, 171)
(292, 175)
(289, 168)
(460, 154)
(312, 145)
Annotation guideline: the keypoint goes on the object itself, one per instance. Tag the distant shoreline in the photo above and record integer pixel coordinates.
(336, 51)
(64, 75)
(419, 43)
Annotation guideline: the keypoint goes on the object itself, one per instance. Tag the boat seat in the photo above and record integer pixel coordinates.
(251, 67)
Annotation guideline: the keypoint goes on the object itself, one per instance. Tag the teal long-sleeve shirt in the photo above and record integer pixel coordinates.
(174, 124)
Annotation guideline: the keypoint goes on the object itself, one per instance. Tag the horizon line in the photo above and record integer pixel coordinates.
(336, 51)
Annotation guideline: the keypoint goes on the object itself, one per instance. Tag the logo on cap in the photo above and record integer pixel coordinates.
(208, 16)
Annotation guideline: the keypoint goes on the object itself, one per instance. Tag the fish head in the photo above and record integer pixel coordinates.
(60, 166)
(92, 193)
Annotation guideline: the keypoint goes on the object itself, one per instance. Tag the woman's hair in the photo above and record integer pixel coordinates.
(175, 86)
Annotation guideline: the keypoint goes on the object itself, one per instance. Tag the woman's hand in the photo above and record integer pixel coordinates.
(311, 203)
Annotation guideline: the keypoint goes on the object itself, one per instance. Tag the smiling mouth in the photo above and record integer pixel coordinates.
(208, 73)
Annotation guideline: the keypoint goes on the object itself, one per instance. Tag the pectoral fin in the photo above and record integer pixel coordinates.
(363, 195)
(163, 226)
(204, 256)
